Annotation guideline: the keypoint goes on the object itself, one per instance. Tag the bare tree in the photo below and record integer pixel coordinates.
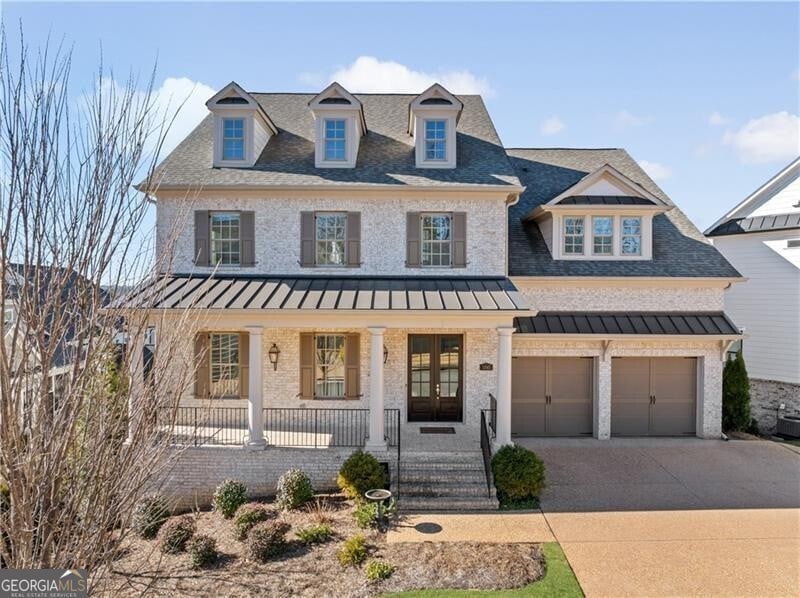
(74, 459)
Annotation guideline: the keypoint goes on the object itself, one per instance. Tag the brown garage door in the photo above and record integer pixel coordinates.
(551, 396)
(653, 396)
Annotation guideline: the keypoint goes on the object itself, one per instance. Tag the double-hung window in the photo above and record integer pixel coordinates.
(436, 140)
(603, 235)
(329, 366)
(335, 140)
(225, 239)
(631, 235)
(224, 362)
(436, 239)
(330, 239)
(573, 235)
(233, 139)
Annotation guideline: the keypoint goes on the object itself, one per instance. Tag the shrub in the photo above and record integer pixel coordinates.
(518, 473)
(229, 496)
(175, 533)
(267, 540)
(366, 513)
(247, 516)
(359, 473)
(202, 551)
(735, 395)
(5, 497)
(321, 511)
(149, 515)
(378, 570)
(353, 552)
(294, 489)
(315, 534)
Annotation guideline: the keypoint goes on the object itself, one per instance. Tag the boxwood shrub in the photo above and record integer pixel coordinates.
(267, 540)
(248, 516)
(149, 515)
(359, 473)
(518, 474)
(175, 533)
(229, 496)
(294, 489)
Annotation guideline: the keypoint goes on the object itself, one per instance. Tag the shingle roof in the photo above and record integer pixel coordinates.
(679, 249)
(385, 157)
(612, 323)
(757, 224)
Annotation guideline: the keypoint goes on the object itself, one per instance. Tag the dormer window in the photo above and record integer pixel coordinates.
(631, 235)
(339, 126)
(432, 120)
(335, 139)
(573, 235)
(233, 139)
(603, 235)
(435, 139)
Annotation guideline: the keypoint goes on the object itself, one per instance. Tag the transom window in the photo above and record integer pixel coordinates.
(329, 368)
(330, 239)
(225, 240)
(436, 248)
(435, 139)
(224, 356)
(631, 235)
(573, 235)
(603, 235)
(335, 139)
(233, 139)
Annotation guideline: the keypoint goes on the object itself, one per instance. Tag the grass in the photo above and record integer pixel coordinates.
(558, 582)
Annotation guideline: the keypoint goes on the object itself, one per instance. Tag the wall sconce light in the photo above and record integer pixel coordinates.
(385, 354)
(274, 353)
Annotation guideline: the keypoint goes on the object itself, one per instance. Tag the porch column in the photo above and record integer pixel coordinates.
(376, 440)
(255, 403)
(504, 385)
(602, 410)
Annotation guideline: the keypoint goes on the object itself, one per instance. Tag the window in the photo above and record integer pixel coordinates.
(330, 243)
(603, 235)
(224, 365)
(631, 236)
(435, 140)
(225, 239)
(573, 235)
(233, 139)
(335, 139)
(436, 239)
(329, 366)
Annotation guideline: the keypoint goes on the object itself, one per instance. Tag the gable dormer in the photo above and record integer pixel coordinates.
(604, 216)
(339, 124)
(241, 127)
(432, 120)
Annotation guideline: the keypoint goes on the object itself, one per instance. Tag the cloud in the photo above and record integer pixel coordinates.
(716, 119)
(551, 126)
(370, 75)
(189, 99)
(703, 150)
(627, 119)
(656, 170)
(312, 79)
(769, 138)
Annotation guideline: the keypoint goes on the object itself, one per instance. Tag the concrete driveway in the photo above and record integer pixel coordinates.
(675, 517)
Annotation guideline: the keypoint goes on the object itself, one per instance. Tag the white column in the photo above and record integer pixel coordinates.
(376, 440)
(255, 403)
(602, 411)
(504, 385)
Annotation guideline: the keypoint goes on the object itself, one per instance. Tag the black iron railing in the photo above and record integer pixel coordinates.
(205, 425)
(492, 415)
(486, 449)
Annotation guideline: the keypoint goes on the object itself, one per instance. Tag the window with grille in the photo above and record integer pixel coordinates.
(233, 139)
(224, 361)
(435, 139)
(335, 139)
(631, 235)
(329, 366)
(330, 239)
(225, 240)
(573, 235)
(436, 239)
(603, 235)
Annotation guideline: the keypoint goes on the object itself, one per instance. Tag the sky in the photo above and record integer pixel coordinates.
(705, 96)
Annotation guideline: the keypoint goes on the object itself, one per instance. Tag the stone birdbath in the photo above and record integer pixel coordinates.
(379, 496)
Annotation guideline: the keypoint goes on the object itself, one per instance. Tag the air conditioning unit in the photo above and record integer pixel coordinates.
(788, 426)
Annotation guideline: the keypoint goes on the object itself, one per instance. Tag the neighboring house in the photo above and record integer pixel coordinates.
(761, 237)
(385, 252)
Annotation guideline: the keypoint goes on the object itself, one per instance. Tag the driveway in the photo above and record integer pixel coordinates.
(675, 517)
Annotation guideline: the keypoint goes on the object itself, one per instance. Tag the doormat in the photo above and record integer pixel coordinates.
(437, 430)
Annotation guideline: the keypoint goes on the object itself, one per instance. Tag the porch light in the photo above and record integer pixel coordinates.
(385, 354)
(274, 353)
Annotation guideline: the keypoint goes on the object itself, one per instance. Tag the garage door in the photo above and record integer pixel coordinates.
(653, 396)
(551, 396)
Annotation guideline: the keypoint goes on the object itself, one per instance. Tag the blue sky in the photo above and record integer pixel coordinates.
(705, 96)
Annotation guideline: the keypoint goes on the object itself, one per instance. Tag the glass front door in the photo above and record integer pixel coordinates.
(435, 387)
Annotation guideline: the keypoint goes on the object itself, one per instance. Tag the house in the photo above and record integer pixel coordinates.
(380, 262)
(761, 237)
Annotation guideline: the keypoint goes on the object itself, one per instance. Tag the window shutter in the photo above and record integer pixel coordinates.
(354, 239)
(459, 239)
(247, 238)
(244, 365)
(307, 237)
(352, 366)
(413, 249)
(202, 357)
(201, 238)
(306, 365)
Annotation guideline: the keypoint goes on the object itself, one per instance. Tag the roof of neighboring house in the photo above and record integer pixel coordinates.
(756, 224)
(385, 157)
(613, 323)
(679, 249)
(181, 291)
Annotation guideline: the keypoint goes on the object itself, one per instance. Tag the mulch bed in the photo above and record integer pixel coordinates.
(315, 570)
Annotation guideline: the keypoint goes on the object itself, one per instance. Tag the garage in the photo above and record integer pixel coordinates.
(653, 396)
(552, 396)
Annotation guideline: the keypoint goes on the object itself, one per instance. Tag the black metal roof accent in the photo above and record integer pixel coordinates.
(756, 224)
(613, 323)
(605, 200)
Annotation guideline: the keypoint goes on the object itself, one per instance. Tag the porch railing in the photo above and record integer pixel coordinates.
(488, 433)
(492, 415)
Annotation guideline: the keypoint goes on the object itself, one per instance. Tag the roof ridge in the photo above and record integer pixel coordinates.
(572, 149)
(357, 93)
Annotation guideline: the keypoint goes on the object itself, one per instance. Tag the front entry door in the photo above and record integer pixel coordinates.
(435, 377)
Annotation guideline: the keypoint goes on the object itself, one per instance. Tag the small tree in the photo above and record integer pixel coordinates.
(735, 395)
